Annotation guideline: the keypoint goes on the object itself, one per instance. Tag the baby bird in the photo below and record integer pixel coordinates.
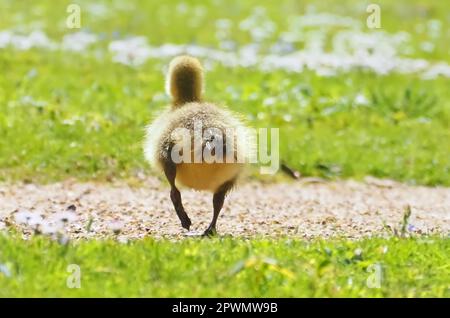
(196, 144)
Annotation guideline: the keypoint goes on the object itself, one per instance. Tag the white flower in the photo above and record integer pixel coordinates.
(440, 69)
(116, 226)
(258, 25)
(78, 41)
(287, 117)
(4, 269)
(360, 99)
(133, 51)
(30, 101)
(352, 47)
(5, 38)
(223, 24)
(49, 228)
(98, 9)
(65, 217)
(269, 101)
(36, 39)
(28, 218)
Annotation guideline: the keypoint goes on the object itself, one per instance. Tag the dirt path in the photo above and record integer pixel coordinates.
(304, 209)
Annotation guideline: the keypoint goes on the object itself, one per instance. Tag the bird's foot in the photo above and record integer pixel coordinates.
(210, 232)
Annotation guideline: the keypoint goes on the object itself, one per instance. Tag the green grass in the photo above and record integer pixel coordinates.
(90, 124)
(227, 268)
(69, 115)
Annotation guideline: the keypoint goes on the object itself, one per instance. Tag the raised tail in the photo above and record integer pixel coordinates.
(184, 81)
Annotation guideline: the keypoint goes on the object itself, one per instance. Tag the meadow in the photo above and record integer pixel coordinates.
(226, 267)
(349, 101)
(68, 113)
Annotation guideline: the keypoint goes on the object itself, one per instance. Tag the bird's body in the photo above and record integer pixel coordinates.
(195, 175)
(195, 143)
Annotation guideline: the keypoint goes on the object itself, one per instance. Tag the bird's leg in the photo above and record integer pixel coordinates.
(218, 199)
(170, 170)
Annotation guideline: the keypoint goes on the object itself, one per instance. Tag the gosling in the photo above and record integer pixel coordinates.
(211, 160)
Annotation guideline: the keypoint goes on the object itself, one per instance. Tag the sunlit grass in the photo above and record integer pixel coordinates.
(81, 115)
(88, 126)
(227, 268)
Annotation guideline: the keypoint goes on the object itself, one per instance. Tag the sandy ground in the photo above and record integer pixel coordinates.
(307, 208)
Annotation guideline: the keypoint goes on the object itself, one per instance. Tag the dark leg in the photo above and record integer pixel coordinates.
(170, 169)
(218, 200)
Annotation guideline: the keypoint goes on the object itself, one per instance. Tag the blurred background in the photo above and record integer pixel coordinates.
(350, 100)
